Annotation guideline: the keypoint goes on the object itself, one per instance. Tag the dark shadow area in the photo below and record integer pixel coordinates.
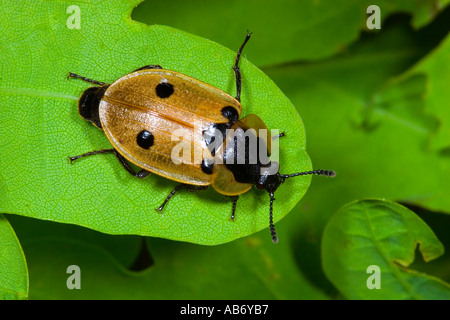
(143, 260)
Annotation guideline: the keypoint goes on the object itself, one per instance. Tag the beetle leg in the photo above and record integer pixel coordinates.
(237, 71)
(90, 154)
(150, 66)
(188, 187)
(161, 207)
(192, 188)
(73, 75)
(235, 200)
(140, 174)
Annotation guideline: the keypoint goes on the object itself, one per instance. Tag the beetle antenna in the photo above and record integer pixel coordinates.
(273, 232)
(326, 173)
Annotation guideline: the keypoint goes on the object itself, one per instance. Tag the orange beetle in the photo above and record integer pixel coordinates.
(140, 112)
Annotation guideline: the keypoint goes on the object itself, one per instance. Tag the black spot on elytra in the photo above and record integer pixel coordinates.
(230, 113)
(145, 139)
(207, 166)
(164, 90)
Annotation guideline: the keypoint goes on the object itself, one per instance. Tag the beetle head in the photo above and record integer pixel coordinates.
(88, 105)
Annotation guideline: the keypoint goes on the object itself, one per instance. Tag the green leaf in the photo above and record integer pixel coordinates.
(437, 97)
(13, 267)
(40, 127)
(250, 268)
(290, 30)
(350, 104)
(371, 125)
(383, 234)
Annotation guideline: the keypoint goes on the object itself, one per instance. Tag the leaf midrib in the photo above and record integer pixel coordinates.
(38, 93)
(395, 271)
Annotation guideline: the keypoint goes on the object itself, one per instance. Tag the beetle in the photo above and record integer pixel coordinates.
(140, 111)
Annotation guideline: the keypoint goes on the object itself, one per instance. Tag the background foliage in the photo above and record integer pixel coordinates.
(374, 105)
